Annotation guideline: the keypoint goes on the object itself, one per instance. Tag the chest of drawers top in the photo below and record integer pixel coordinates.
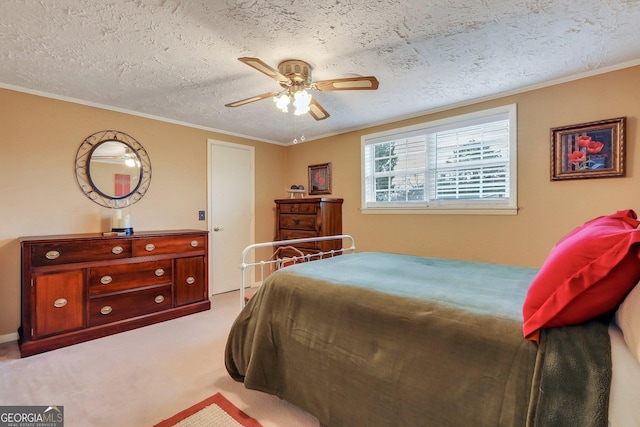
(44, 251)
(308, 205)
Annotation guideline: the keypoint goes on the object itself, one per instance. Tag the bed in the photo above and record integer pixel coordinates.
(379, 339)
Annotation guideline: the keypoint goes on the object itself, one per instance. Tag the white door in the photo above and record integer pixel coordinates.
(231, 212)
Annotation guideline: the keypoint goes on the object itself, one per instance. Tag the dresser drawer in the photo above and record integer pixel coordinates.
(190, 280)
(114, 278)
(298, 222)
(168, 245)
(308, 208)
(295, 234)
(59, 302)
(108, 309)
(58, 253)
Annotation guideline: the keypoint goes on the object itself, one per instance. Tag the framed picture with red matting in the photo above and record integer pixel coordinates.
(320, 179)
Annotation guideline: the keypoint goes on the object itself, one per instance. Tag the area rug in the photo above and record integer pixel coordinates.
(216, 411)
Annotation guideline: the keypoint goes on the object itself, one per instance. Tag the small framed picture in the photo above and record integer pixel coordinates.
(588, 150)
(320, 179)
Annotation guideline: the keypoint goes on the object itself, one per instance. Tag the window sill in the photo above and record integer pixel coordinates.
(441, 211)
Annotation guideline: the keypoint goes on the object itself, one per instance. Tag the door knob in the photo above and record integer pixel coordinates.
(218, 229)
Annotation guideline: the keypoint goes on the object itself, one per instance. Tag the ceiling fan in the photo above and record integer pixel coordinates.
(294, 76)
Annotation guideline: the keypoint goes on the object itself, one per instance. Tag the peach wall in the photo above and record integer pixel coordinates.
(547, 209)
(39, 194)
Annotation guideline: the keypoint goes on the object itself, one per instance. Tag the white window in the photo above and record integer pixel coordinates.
(464, 164)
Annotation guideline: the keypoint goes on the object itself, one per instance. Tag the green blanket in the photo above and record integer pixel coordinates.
(375, 339)
(573, 376)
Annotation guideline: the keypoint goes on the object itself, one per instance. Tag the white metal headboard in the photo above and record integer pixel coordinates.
(249, 252)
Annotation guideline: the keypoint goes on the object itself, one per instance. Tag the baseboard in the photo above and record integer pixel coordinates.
(9, 337)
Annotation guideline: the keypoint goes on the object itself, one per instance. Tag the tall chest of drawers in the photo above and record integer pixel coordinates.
(79, 287)
(312, 217)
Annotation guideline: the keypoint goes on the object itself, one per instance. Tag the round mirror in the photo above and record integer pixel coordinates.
(113, 169)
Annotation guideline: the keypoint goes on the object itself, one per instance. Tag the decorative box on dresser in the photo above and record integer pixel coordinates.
(80, 287)
(311, 217)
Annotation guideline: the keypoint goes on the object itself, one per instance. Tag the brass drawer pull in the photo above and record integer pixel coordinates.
(105, 280)
(149, 247)
(194, 243)
(60, 302)
(117, 250)
(106, 310)
(52, 255)
(190, 280)
(159, 272)
(159, 299)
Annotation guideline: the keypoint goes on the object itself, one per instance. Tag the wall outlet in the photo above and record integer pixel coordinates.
(201, 215)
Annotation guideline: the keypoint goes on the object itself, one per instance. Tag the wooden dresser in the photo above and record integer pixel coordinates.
(312, 217)
(79, 287)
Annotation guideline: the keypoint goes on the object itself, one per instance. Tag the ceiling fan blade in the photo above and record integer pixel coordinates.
(316, 111)
(264, 68)
(252, 99)
(350, 83)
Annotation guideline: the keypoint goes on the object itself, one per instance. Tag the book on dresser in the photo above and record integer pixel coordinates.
(84, 286)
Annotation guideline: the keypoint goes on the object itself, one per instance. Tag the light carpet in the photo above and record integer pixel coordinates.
(140, 377)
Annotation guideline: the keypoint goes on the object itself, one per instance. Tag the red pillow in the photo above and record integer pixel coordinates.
(587, 274)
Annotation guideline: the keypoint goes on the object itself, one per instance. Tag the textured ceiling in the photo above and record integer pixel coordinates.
(177, 60)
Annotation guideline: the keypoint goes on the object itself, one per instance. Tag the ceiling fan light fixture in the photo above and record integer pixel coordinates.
(294, 76)
(301, 101)
(130, 158)
(282, 102)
